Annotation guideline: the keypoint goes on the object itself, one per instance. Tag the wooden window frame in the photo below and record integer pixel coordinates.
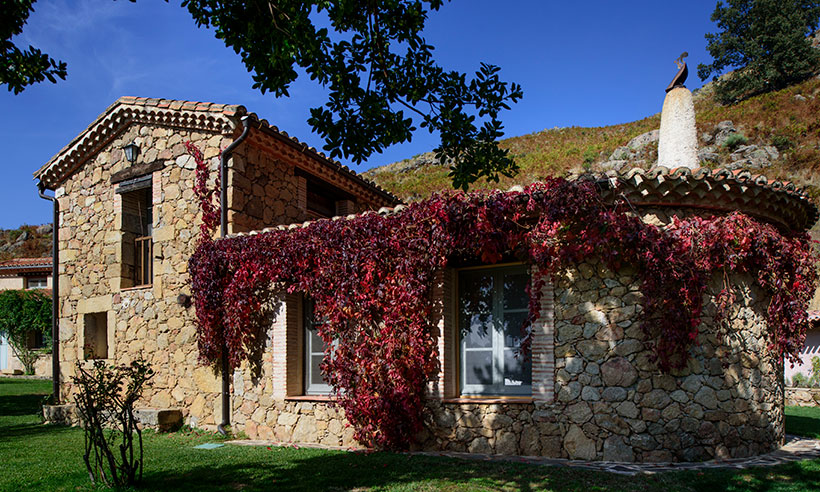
(497, 388)
(143, 262)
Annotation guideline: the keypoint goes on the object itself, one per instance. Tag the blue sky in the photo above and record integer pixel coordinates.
(592, 63)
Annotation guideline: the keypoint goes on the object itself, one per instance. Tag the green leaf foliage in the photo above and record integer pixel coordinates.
(766, 41)
(20, 68)
(21, 312)
(383, 83)
(382, 80)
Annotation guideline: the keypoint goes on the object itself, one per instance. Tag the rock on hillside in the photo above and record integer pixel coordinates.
(777, 134)
(25, 242)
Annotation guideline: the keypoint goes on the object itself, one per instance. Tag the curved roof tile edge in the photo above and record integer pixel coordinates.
(26, 262)
(720, 175)
(226, 110)
(699, 174)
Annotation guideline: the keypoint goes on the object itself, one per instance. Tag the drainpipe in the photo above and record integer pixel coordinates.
(55, 294)
(223, 230)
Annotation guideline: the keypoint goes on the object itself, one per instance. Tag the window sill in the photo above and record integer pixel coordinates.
(318, 398)
(138, 287)
(88, 363)
(489, 400)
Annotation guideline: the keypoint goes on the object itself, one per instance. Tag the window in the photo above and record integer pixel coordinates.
(493, 307)
(95, 336)
(35, 339)
(315, 384)
(36, 283)
(137, 226)
(322, 199)
(143, 274)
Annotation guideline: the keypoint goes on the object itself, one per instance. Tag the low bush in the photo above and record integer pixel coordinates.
(782, 142)
(735, 140)
(799, 380)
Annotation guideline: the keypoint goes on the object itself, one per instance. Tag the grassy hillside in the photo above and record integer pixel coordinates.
(787, 120)
(25, 242)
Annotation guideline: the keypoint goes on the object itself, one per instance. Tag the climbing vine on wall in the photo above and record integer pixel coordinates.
(371, 278)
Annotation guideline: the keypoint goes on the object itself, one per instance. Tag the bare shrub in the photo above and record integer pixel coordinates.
(105, 400)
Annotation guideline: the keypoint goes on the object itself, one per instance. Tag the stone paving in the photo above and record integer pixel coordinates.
(796, 449)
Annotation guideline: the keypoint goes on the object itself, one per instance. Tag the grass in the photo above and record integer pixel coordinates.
(37, 457)
(803, 421)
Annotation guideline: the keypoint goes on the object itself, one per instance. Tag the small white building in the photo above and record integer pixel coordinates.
(25, 273)
(810, 349)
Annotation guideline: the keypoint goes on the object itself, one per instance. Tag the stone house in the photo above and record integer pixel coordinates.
(589, 391)
(127, 230)
(25, 273)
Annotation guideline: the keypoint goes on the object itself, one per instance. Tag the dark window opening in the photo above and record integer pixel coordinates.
(95, 336)
(137, 244)
(36, 339)
(36, 283)
(325, 200)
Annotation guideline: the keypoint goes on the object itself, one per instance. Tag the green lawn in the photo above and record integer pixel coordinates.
(803, 421)
(38, 457)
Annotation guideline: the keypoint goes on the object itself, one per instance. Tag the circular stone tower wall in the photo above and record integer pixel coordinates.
(727, 402)
(611, 401)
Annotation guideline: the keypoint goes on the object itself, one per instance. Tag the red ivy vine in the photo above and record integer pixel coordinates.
(371, 278)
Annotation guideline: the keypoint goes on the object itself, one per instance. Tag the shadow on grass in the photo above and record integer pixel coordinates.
(388, 471)
(17, 405)
(32, 430)
(354, 471)
(792, 477)
(803, 426)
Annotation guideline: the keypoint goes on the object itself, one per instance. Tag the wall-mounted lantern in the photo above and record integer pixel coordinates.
(132, 150)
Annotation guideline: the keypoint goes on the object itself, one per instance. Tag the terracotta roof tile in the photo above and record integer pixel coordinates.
(71, 156)
(775, 200)
(18, 266)
(719, 189)
(25, 262)
(382, 211)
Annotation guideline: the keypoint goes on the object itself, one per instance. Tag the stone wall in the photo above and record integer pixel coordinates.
(267, 189)
(145, 321)
(42, 366)
(610, 400)
(803, 397)
(263, 191)
(597, 393)
(148, 321)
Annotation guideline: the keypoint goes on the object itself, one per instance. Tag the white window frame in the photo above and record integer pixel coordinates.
(38, 280)
(311, 352)
(498, 386)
